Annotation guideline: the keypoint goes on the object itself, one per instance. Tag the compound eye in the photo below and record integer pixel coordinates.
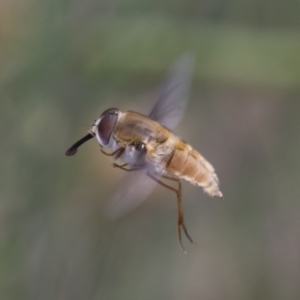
(106, 127)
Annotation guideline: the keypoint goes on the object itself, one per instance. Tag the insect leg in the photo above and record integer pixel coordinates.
(122, 167)
(180, 220)
(180, 209)
(119, 151)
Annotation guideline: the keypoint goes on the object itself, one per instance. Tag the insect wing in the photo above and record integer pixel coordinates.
(168, 110)
(173, 96)
(134, 189)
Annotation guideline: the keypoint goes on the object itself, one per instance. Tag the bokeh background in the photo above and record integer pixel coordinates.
(62, 63)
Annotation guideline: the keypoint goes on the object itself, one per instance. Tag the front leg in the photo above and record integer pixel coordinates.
(117, 152)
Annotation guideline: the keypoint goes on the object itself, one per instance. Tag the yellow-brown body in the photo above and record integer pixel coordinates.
(166, 153)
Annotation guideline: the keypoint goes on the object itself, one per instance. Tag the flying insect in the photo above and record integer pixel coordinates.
(146, 147)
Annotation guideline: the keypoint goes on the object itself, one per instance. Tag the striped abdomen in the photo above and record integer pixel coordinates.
(188, 164)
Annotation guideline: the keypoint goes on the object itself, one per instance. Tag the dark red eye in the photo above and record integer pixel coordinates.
(107, 125)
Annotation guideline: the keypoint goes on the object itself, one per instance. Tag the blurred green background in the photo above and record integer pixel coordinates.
(62, 63)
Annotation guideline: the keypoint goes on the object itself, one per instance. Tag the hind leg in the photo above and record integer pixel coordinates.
(180, 218)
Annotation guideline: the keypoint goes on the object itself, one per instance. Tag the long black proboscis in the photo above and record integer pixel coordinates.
(73, 149)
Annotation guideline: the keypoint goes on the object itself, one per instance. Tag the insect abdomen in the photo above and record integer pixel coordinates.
(188, 164)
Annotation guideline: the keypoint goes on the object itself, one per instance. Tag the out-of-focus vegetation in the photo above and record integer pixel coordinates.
(62, 63)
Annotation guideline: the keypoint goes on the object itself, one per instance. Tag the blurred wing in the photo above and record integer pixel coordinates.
(173, 97)
(134, 189)
(168, 111)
